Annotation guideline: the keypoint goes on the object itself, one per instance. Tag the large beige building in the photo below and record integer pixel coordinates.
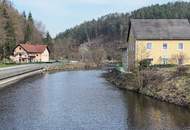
(162, 41)
(25, 53)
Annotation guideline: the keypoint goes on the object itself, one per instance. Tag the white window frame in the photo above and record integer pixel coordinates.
(149, 44)
(181, 43)
(163, 46)
(165, 61)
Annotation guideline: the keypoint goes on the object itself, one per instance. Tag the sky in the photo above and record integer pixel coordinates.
(59, 15)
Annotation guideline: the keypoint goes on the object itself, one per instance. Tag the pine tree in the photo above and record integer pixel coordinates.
(10, 41)
(28, 37)
(48, 41)
(28, 33)
(30, 18)
(24, 15)
(48, 38)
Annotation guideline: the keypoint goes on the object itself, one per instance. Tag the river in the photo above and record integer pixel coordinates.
(82, 100)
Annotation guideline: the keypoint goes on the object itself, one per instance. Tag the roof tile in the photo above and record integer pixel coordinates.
(31, 48)
(161, 29)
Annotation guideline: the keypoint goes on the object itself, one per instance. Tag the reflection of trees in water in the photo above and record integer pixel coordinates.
(146, 113)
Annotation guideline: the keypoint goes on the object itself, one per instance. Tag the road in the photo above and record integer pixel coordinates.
(20, 69)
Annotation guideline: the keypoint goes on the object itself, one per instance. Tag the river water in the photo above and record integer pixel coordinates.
(82, 100)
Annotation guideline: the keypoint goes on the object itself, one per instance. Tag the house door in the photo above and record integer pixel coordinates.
(31, 58)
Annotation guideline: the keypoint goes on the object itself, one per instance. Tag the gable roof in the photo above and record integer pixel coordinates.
(161, 29)
(30, 48)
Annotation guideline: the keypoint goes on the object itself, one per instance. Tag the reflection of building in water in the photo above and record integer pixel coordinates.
(147, 113)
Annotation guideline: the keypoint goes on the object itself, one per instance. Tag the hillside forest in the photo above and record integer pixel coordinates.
(108, 33)
(90, 41)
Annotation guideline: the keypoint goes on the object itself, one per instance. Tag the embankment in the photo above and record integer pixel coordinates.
(162, 84)
(71, 67)
(11, 75)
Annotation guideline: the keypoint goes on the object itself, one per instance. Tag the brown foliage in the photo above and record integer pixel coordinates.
(181, 71)
(151, 76)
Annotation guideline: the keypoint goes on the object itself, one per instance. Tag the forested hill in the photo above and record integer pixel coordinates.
(113, 28)
(170, 10)
(16, 28)
(114, 25)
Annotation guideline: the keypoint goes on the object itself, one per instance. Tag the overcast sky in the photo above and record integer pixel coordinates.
(59, 15)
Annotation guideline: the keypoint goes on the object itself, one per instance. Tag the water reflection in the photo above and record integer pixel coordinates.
(83, 100)
(147, 113)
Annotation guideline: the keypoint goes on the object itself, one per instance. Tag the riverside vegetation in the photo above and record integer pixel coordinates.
(166, 84)
(71, 66)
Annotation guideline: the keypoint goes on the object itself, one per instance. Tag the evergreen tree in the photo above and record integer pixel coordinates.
(28, 36)
(28, 33)
(48, 41)
(10, 41)
(30, 18)
(24, 15)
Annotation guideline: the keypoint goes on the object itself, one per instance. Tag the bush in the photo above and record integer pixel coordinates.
(163, 65)
(181, 70)
(151, 77)
(144, 63)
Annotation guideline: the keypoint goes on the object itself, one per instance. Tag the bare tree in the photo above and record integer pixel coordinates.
(98, 55)
(179, 59)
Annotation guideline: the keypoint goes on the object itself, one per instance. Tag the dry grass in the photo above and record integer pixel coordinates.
(168, 84)
(6, 65)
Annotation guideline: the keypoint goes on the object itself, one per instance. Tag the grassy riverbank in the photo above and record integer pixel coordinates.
(71, 66)
(6, 65)
(169, 84)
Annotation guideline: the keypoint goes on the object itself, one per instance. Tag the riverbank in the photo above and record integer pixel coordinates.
(11, 75)
(70, 66)
(6, 65)
(167, 85)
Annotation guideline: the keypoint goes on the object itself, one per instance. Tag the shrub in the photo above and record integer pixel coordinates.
(144, 63)
(181, 70)
(163, 65)
(151, 76)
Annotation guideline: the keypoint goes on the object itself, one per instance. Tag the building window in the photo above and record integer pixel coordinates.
(149, 46)
(180, 46)
(165, 46)
(164, 61)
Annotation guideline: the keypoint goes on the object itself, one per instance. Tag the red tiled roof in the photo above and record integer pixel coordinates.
(33, 48)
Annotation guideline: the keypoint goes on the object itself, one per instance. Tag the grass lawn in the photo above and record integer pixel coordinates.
(6, 65)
